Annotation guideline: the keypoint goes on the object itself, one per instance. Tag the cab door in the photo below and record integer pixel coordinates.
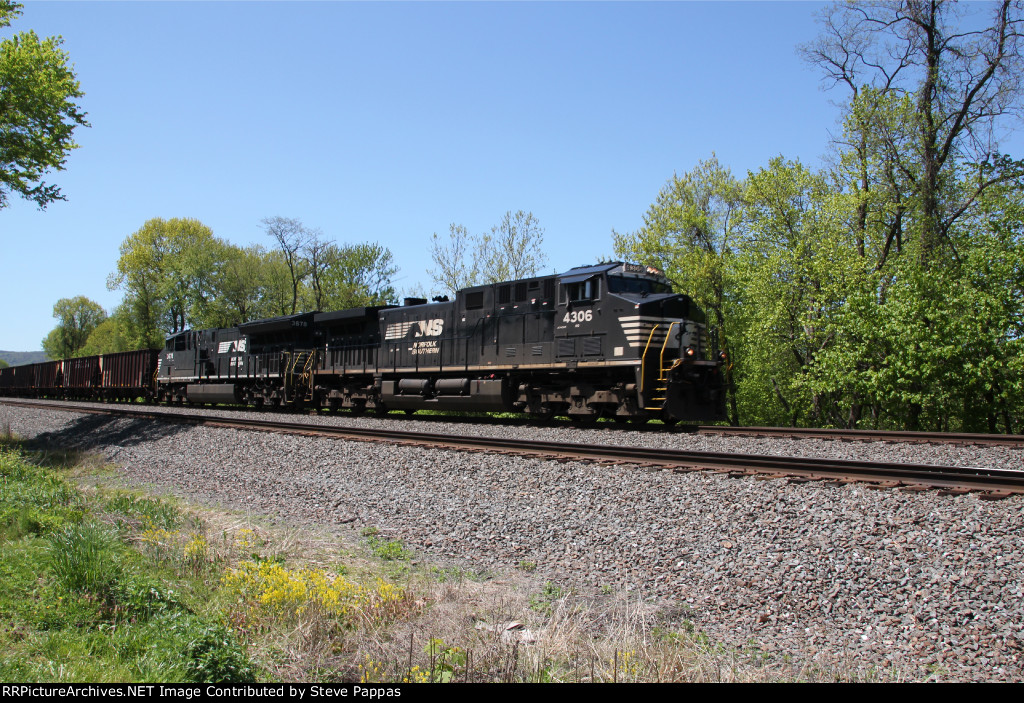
(579, 330)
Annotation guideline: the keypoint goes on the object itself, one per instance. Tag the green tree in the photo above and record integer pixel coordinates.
(456, 259)
(513, 249)
(796, 269)
(108, 337)
(38, 112)
(691, 232)
(961, 78)
(321, 255)
(77, 318)
(292, 238)
(242, 290)
(358, 275)
(276, 293)
(168, 270)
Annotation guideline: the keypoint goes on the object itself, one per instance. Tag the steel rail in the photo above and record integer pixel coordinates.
(954, 438)
(869, 435)
(994, 482)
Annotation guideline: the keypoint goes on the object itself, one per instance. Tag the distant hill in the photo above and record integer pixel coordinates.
(19, 358)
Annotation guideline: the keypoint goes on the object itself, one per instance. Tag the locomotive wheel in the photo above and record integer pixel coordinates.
(545, 414)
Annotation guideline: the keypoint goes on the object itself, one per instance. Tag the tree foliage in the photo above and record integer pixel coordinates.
(347, 275)
(357, 275)
(886, 289)
(177, 275)
(456, 259)
(38, 112)
(293, 240)
(108, 337)
(513, 249)
(828, 319)
(76, 319)
(324, 275)
(691, 233)
(958, 77)
(168, 270)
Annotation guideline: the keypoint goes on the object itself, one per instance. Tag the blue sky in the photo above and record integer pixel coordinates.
(388, 121)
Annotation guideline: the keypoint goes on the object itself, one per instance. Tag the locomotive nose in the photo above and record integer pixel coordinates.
(695, 392)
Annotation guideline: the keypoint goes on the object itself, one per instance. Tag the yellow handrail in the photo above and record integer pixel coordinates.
(661, 360)
(307, 373)
(643, 359)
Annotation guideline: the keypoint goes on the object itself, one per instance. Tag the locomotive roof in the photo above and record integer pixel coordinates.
(349, 314)
(587, 271)
(581, 273)
(274, 324)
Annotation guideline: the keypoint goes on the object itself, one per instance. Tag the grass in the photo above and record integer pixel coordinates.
(79, 603)
(387, 550)
(101, 584)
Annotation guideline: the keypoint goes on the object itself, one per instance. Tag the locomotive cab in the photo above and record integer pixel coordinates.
(625, 320)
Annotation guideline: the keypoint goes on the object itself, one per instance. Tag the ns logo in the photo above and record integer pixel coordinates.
(416, 328)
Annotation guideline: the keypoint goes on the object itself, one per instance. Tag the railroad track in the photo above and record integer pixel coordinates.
(990, 483)
(956, 438)
(941, 438)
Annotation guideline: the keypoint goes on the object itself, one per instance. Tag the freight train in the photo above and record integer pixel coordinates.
(611, 340)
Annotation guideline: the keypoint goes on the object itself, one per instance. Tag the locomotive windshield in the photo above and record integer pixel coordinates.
(579, 291)
(644, 286)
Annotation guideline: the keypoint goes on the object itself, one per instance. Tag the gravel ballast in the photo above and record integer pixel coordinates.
(917, 585)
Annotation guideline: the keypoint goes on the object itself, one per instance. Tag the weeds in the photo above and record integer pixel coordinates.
(141, 510)
(544, 601)
(388, 550)
(82, 560)
(75, 592)
(211, 655)
(124, 587)
(268, 591)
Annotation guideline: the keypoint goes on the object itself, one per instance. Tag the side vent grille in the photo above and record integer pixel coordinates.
(591, 346)
(567, 346)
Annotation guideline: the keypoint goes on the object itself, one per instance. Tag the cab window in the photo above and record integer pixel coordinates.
(581, 291)
(621, 284)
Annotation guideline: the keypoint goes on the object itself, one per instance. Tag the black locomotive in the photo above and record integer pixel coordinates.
(609, 340)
